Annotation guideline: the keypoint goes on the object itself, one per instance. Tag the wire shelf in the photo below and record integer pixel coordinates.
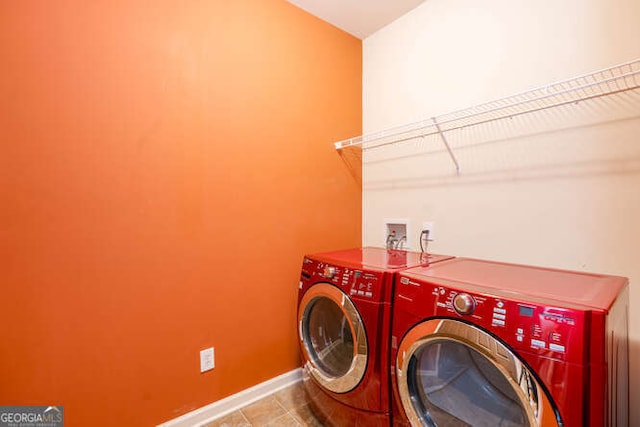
(609, 81)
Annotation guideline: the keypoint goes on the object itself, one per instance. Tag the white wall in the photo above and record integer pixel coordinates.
(559, 188)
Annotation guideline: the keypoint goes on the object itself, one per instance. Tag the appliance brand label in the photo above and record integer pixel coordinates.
(558, 318)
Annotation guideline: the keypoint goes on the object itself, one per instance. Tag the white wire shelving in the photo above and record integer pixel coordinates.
(608, 81)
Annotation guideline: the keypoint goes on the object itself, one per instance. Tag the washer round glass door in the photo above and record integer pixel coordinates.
(333, 338)
(453, 374)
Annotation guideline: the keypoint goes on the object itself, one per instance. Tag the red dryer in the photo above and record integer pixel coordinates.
(479, 343)
(344, 320)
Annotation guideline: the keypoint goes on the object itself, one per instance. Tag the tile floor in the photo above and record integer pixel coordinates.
(287, 407)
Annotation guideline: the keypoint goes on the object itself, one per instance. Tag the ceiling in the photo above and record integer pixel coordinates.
(360, 18)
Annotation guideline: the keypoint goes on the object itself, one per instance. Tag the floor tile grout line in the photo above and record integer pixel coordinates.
(245, 418)
(291, 414)
(286, 411)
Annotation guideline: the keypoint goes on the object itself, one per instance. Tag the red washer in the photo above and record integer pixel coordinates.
(485, 344)
(344, 321)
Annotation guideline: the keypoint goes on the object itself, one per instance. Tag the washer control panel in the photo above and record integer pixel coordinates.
(552, 331)
(357, 283)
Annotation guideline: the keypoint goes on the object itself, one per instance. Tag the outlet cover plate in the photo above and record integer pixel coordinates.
(207, 361)
(428, 225)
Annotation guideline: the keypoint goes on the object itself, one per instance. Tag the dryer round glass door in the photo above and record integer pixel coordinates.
(332, 338)
(454, 374)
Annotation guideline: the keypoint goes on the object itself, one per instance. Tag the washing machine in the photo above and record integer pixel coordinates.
(480, 343)
(344, 321)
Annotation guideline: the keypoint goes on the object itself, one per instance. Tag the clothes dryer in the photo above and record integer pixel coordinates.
(479, 343)
(344, 321)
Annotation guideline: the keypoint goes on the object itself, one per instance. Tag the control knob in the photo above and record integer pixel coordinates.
(329, 272)
(464, 303)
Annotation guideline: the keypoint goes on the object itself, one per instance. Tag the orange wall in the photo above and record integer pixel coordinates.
(164, 165)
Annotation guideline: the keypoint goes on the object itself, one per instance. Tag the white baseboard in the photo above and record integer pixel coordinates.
(218, 409)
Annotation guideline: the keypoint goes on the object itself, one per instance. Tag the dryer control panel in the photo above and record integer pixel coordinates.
(552, 331)
(357, 283)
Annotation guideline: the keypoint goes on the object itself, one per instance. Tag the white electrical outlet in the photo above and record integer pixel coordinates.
(425, 238)
(428, 225)
(207, 361)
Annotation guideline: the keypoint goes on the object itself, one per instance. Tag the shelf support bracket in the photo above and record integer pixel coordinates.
(446, 144)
